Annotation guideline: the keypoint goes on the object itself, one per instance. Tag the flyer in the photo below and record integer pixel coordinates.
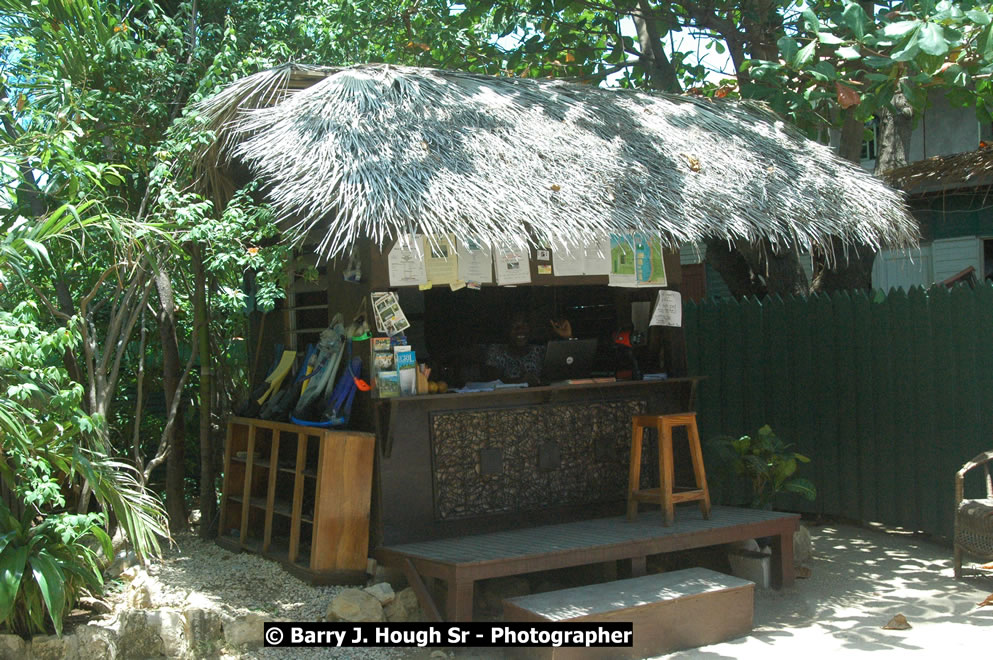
(406, 263)
(622, 260)
(668, 309)
(598, 258)
(441, 259)
(475, 262)
(568, 260)
(649, 263)
(388, 315)
(511, 265)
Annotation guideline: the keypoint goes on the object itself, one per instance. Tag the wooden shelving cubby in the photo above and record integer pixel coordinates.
(299, 495)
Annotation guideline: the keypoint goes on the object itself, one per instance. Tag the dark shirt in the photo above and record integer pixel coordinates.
(514, 365)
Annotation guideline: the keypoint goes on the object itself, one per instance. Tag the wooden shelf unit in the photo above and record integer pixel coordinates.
(299, 495)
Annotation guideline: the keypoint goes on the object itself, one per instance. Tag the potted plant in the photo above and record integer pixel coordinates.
(768, 467)
(767, 464)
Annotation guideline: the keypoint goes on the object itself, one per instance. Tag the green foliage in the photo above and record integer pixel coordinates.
(45, 567)
(47, 555)
(768, 465)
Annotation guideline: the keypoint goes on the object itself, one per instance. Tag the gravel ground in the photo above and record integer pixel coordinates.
(860, 578)
(239, 583)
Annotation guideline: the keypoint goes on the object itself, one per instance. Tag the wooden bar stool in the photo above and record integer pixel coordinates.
(666, 494)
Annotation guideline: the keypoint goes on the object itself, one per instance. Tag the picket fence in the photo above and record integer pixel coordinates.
(887, 394)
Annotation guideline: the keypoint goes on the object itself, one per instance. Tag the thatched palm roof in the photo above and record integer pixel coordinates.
(971, 169)
(379, 151)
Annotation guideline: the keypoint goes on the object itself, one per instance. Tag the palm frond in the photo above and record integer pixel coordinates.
(378, 151)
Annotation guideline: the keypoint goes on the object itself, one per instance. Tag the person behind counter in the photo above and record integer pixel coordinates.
(519, 361)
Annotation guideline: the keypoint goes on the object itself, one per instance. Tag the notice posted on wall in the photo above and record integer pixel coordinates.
(406, 263)
(668, 309)
(512, 265)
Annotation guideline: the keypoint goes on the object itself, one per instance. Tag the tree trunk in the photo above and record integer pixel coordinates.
(780, 270)
(852, 269)
(733, 269)
(893, 138)
(171, 374)
(208, 493)
(653, 58)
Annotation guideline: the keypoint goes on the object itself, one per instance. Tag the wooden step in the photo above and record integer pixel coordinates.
(670, 611)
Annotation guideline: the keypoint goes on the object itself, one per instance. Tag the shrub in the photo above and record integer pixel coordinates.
(767, 463)
(49, 554)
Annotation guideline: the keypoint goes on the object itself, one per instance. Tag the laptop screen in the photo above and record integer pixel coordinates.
(568, 359)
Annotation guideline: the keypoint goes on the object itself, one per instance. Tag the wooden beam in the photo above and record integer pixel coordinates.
(423, 596)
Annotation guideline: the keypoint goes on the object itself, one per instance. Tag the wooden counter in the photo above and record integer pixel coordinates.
(455, 464)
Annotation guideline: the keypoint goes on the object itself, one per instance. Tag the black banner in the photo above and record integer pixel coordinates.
(448, 634)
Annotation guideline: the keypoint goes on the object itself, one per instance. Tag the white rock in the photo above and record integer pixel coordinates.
(382, 592)
(199, 601)
(95, 605)
(50, 647)
(404, 607)
(95, 641)
(151, 633)
(394, 576)
(803, 545)
(140, 590)
(355, 605)
(751, 545)
(122, 561)
(204, 630)
(244, 630)
(12, 647)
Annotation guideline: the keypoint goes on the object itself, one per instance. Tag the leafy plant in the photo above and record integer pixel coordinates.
(49, 556)
(45, 567)
(768, 465)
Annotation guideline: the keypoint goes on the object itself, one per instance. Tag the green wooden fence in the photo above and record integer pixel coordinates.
(888, 396)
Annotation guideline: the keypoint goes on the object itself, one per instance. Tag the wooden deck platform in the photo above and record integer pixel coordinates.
(462, 561)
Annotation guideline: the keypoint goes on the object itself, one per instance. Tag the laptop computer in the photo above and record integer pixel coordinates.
(568, 359)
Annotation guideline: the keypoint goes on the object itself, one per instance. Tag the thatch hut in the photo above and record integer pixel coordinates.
(357, 157)
(377, 151)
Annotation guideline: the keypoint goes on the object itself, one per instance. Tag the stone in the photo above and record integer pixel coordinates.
(750, 545)
(394, 576)
(95, 605)
(354, 605)
(244, 630)
(803, 545)
(51, 647)
(198, 601)
(404, 607)
(204, 629)
(94, 641)
(139, 595)
(383, 592)
(496, 590)
(149, 633)
(12, 647)
(122, 561)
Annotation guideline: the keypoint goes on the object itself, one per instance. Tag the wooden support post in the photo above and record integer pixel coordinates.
(782, 559)
(246, 494)
(295, 514)
(458, 604)
(423, 595)
(634, 469)
(271, 490)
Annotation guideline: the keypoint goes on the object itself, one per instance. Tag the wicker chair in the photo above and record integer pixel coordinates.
(973, 518)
